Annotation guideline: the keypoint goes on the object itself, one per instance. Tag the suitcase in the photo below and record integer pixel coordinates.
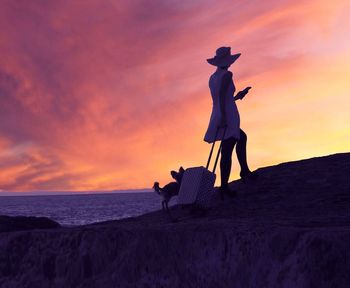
(197, 184)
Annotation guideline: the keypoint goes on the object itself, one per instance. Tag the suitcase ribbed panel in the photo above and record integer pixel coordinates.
(197, 187)
(206, 190)
(190, 185)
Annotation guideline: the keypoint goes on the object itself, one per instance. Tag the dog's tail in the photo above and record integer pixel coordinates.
(156, 188)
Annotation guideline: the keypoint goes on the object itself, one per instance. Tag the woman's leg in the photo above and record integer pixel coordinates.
(226, 160)
(241, 151)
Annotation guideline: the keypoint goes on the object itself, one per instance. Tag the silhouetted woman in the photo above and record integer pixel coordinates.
(225, 115)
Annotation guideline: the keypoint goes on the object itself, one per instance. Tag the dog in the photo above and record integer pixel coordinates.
(171, 189)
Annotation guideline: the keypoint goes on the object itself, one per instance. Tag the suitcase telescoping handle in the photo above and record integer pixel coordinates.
(212, 149)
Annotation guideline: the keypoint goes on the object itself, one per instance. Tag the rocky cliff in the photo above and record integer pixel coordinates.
(17, 223)
(289, 228)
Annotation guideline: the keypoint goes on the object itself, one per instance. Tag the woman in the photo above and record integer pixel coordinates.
(225, 118)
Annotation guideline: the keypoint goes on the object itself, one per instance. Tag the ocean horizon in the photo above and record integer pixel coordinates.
(82, 208)
(71, 192)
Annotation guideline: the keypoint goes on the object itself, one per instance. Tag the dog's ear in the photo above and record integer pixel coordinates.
(173, 174)
(156, 184)
(181, 170)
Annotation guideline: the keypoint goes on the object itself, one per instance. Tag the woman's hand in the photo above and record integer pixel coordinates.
(241, 94)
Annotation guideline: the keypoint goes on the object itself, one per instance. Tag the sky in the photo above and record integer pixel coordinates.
(106, 95)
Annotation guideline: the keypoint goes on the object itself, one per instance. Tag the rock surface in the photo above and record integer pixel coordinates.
(289, 228)
(9, 224)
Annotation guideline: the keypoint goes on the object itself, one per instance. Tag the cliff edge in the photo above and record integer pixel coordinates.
(289, 228)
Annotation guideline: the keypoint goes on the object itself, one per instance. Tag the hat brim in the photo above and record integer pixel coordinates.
(225, 61)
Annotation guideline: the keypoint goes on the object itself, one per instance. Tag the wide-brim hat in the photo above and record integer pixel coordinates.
(223, 57)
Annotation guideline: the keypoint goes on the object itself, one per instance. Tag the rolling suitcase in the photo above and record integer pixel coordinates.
(197, 185)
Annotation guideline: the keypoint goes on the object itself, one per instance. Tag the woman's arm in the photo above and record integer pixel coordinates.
(241, 94)
(223, 88)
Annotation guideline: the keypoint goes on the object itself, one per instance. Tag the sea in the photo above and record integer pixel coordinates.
(80, 209)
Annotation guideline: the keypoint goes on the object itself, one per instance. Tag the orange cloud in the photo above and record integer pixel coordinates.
(112, 95)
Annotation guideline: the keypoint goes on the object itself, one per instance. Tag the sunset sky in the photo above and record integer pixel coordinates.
(105, 95)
